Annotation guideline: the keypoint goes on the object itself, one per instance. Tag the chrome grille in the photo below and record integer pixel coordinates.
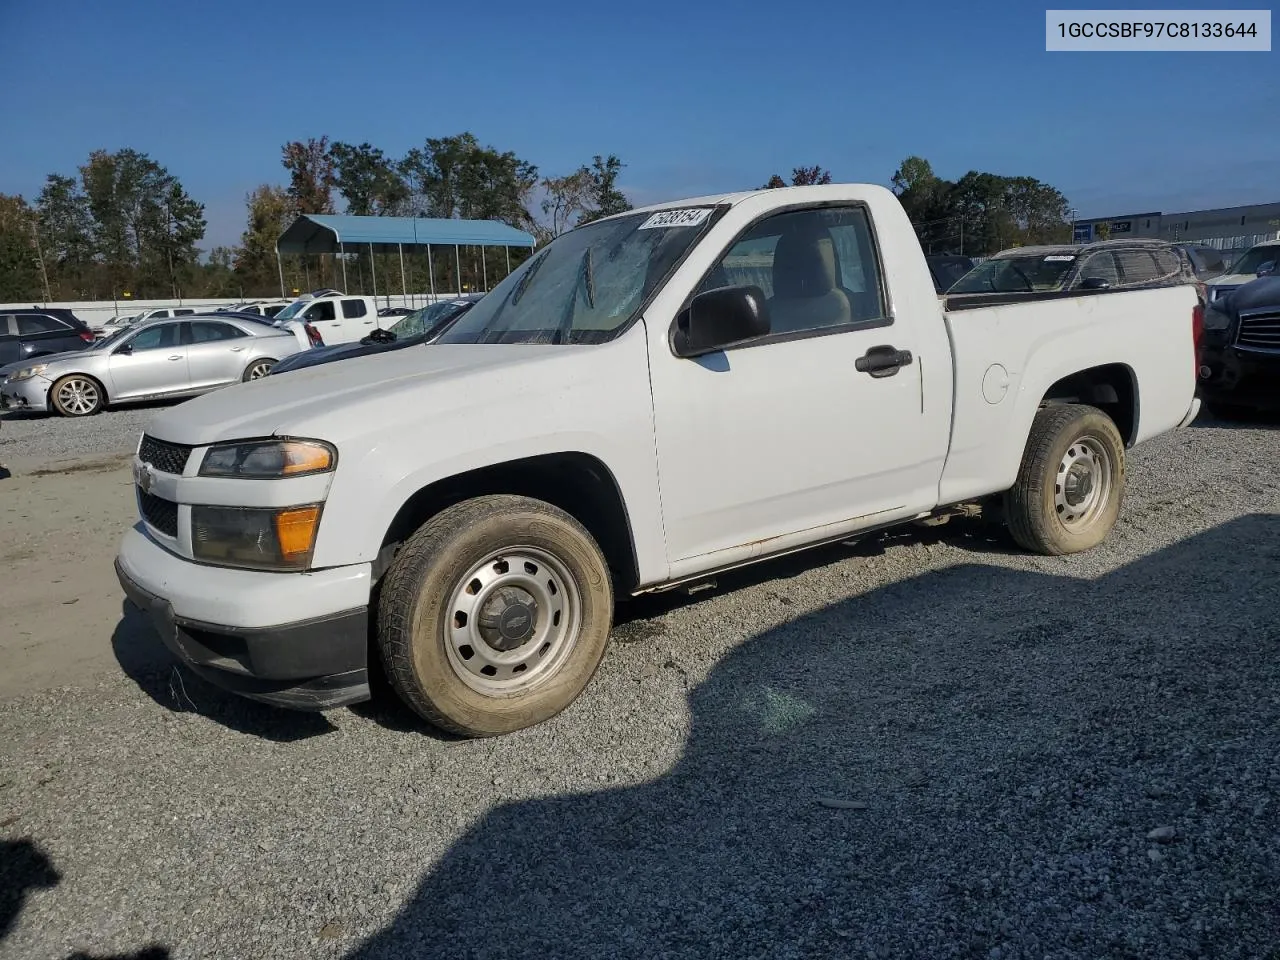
(164, 456)
(159, 512)
(1260, 331)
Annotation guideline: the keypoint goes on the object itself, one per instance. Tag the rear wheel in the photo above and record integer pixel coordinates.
(1071, 481)
(77, 396)
(495, 615)
(258, 369)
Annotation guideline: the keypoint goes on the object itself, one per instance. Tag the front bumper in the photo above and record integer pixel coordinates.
(31, 394)
(316, 663)
(1245, 377)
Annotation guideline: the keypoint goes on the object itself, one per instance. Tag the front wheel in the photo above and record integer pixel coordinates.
(495, 615)
(1070, 483)
(77, 396)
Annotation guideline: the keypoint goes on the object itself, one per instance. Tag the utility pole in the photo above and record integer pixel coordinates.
(44, 274)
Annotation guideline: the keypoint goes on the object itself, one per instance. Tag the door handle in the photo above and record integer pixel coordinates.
(236, 349)
(179, 357)
(883, 361)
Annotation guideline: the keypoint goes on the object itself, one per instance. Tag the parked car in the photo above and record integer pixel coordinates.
(1258, 261)
(1207, 262)
(394, 312)
(337, 317)
(108, 327)
(421, 326)
(1240, 352)
(26, 334)
(163, 313)
(946, 269)
(623, 415)
(1105, 265)
(151, 360)
(261, 308)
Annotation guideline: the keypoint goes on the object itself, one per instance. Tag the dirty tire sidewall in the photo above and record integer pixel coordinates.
(249, 370)
(413, 612)
(1029, 504)
(63, 411)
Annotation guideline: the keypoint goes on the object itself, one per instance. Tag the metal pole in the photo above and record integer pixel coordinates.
(431, 271)
(484, 269)
(457, 262)
(342, 250)
(280, 267)
(404, 284)
(373, 269)
(507, 251)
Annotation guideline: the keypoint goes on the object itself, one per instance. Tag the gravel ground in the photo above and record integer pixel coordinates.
(42, 439)
(926, 745)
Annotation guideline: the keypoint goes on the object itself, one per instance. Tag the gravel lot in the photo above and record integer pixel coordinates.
(42, 440)
(925, 745)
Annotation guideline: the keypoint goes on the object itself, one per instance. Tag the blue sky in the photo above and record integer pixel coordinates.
(695, 97)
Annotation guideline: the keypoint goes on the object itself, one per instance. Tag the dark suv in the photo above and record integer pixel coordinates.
(35, 333)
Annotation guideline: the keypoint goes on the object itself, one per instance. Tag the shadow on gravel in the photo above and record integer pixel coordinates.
(145, 660)
(1248, 420)
(966, 764)
(25, 868)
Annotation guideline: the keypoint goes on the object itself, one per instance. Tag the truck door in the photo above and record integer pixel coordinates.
(817, 427)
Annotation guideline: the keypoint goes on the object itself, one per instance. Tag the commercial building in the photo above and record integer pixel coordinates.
(1232, 230)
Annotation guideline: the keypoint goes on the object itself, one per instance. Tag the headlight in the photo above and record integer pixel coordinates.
(26, 373)
(1215, 319)
(269, 459)
(259, 538)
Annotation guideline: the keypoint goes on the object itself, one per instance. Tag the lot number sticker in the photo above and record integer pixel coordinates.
(691, 217)
(1058, 258)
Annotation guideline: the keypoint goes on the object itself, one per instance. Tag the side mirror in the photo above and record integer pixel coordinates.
(125, 348)
(720, 318)
(1266, 269)
(1094, 283)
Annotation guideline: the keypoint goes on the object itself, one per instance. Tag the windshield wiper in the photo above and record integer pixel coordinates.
(587, 279)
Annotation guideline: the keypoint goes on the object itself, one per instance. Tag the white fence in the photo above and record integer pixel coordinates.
(97, 312)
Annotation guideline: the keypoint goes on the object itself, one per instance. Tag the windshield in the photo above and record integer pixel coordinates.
(427, 318)
(586, 284)
(1255, 258)
(292, 310)
(1016, 275)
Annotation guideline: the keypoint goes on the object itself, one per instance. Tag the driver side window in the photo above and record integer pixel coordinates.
(320, 311)
(1101, 266)
(156, 338)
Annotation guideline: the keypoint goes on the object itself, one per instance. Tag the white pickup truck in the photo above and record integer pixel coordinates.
(651, 399)
(336, 317)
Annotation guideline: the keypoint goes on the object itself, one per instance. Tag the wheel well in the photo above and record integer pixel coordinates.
(1112, 388)
(577, 483)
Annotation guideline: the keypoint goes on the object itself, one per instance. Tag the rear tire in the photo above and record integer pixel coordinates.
(494, 615)
(259, 369)
(1070, 483)
(77, 395)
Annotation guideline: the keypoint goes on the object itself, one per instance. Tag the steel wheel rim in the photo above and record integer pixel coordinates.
(78, 395)
(260, 370)
(484, 609)
(1082, 486)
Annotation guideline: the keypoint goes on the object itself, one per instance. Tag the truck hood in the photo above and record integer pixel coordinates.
(334, 401)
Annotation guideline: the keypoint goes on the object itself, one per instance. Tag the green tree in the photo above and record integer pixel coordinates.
(605, 198)
(311, 175)
(19, 272)
(800, 177)
(371, 183)
(268, 213)
(66, 232)
(566, 200)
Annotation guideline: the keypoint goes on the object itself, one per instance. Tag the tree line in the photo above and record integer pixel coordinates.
(125, 224)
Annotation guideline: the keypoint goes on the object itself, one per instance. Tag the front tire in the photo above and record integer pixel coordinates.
(1071, 481)
(76, 395)
(495, 615)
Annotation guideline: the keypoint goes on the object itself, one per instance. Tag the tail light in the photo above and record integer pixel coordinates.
(1197, 334)
(86, 336)
(313, 335)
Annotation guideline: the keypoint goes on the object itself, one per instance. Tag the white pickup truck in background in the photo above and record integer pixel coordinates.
(651, 399)
(336, 317)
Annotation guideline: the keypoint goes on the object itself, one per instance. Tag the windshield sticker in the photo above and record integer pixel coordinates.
(1059, 258)
(691, 217)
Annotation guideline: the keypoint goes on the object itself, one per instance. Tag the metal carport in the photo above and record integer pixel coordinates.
(313, 233)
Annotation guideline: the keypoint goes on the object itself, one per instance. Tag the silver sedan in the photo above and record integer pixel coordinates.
(152, 360)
